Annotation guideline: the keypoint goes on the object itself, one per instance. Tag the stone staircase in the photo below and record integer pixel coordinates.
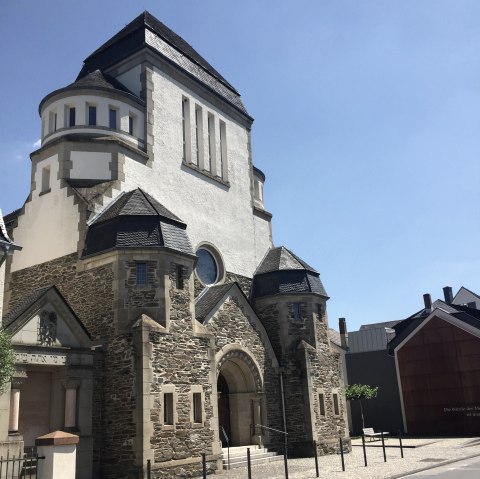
(238, 456)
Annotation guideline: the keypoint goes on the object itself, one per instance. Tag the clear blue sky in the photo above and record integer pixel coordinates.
(367, 125)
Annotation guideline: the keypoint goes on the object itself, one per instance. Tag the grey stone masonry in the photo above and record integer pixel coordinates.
(298, 329)
(182, 364)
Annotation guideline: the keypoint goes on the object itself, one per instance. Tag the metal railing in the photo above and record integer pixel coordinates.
(228, 445)
(23, 466)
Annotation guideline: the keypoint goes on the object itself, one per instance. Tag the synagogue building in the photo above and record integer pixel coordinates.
(150, 311)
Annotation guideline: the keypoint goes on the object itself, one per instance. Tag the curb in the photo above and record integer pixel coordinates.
(427, 468)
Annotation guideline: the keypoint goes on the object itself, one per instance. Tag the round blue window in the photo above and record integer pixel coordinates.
(207, 269)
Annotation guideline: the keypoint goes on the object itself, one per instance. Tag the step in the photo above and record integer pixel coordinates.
(242, 451)
(238, 456)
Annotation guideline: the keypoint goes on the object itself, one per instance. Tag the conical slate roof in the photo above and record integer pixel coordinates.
(281, 258)
(99, 79)
(136, 203)
(283, 272)
(136, 220)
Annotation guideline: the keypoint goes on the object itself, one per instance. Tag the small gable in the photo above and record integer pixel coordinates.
(46, 320)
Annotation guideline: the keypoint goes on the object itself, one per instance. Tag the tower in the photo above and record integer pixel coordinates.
(290, 300)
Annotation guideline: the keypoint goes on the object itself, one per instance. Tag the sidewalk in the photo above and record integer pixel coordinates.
(426, 454)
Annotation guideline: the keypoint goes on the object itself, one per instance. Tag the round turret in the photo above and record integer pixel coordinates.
(95, 105)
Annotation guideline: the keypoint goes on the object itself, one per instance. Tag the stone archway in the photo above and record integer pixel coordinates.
(239, 387)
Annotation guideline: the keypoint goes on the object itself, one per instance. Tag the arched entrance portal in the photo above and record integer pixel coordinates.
(239, 389)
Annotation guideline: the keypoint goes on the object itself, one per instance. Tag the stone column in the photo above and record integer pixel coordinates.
(71, 385)
(257, 419)
(15, 404)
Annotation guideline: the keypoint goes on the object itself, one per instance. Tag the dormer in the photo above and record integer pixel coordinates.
(96, 105)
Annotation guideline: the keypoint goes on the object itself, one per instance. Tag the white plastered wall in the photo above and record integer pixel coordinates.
(131, 79)
(48, 229)
(92, 165)
(213, 213)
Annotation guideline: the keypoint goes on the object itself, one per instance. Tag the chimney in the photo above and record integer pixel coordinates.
(428, 302)
(342, 327)
(447, 293)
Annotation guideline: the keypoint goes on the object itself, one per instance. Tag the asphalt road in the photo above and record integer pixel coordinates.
(466, 469)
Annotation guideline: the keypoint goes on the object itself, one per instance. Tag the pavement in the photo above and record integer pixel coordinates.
(419, 455)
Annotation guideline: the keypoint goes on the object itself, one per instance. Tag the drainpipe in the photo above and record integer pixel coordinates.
(283, 408)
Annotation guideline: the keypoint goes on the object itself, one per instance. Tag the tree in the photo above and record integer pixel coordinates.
(359, 392)
(7, 360)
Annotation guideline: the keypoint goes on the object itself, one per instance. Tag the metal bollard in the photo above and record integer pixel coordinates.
(204, 464)
(249, 465)
(285, 459)
(364, 450)
(383, 447)
(400, 440)
(341, 453)
(316, 458)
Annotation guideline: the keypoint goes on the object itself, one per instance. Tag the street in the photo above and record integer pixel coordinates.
(466, 469)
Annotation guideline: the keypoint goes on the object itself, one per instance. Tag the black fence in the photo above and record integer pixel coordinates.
(20, 467)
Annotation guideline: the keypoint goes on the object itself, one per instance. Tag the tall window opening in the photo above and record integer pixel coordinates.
(71, 116)
(179, 276)
(223, 150)
(92, 115)
(132, 123)
(45, 179)
(296, 311)
(198, 135)
(141, 279)
(168, 408)
(112, 118)
(211, 143)
(52, 121)
(186, 129)
(197, 407)
(336, 407)
(321, 402)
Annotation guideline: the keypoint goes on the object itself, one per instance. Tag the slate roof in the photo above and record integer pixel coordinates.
(136, 220)
(136, 203)
(147, 31)
(209, 298)
(23, 305)
(96, 80)
(283, 272)
(281, 258)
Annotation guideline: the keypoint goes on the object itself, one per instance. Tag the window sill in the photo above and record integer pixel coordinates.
(168, 427)
(206, 173)
(44, 192)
